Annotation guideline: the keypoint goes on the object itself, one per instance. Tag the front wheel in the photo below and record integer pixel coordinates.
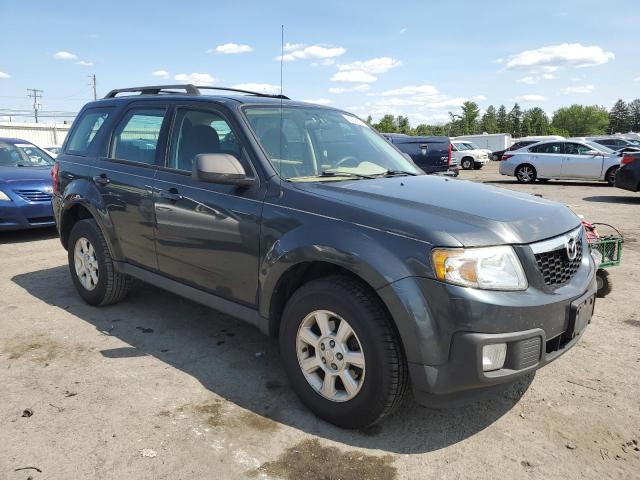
(467, 163)
(603, 283)
(526, 174)
(341, 353)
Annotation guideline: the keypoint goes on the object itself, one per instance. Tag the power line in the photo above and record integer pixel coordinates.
(36, 95)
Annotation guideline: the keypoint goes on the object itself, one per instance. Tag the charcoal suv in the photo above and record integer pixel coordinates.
(305, 222)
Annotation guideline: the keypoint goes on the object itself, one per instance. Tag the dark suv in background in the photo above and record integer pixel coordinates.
(305, 222)
(431, 154)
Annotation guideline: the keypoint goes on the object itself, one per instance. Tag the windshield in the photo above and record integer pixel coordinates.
(600, 148)
(462, 146)
(310, 143)
(23, 155)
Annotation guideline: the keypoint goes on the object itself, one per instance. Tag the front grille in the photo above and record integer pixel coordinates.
(555, 266)
(34, 195)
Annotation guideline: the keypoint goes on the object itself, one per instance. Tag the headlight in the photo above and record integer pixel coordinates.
(488, 268)
(4, 197)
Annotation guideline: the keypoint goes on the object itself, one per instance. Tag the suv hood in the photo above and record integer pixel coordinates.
(11, 174)
(445, 211)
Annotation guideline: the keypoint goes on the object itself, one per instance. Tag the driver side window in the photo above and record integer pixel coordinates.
(576, 149)
(199, 131)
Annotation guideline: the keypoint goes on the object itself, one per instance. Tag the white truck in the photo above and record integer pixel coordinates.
(494, 142)
(469, 156)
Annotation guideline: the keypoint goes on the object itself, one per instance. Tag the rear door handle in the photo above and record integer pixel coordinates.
(101, 179)
(171, 194)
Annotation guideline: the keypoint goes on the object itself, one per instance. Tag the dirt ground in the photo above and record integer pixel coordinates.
(158, 387)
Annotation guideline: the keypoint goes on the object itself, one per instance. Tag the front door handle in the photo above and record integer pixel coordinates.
(101, 179)
(171, 194)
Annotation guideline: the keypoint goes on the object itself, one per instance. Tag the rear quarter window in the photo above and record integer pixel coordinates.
(86, 130)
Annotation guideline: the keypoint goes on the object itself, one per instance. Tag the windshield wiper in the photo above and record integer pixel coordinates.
(393, 173)
(338, 173)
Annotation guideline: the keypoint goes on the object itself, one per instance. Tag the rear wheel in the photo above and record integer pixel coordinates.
(467, 163)
(91, 266)
(526, 174)
(610, 176)
(341, 353)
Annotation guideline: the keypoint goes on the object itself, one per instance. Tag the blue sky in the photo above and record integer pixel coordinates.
(416, 58)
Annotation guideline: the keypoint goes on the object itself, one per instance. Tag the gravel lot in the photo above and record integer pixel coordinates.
(158, 387)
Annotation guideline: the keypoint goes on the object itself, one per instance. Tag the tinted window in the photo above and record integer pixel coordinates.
(606, 142)
(547, 148)
(576, 149)
(86, 129)
(198, 131)
(136, 137)
(23, 155)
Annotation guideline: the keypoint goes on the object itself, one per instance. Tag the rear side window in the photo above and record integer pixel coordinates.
(136, 137)
(555, 147)
(86, 130)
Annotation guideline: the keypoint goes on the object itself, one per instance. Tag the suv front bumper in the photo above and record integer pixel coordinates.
(443, 338)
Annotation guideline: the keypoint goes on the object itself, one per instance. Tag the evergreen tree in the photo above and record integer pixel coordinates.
(619, 118)
(469, 120)
(515, 120)
(538, 122)
(634, 113)
(489, 122)
(502, 120)
(402, 124)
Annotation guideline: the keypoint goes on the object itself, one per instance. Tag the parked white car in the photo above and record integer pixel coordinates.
(468, 155)
(566, 160)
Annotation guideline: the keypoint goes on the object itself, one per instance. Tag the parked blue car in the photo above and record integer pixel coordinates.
(25, 185)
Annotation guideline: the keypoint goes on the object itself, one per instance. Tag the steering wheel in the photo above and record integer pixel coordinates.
(346, 159)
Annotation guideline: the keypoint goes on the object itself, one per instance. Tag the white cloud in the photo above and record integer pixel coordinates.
(62, 55)
(479, 98)
(552, 57)
(548, 76)
(259, 87)
(403, 30)
(375, 65)
(232, 48)
(356, 76)
(637, 79)
(412, 90)
(530, 97)
(160, 73)
(358, 88)
(529, 80)
(84, 63)
(203, 79)
(320, 101)
(298, 51)
(578, 89)
(4, 75)
(324, 63)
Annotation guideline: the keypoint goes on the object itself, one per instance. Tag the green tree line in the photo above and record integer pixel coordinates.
(572, 121)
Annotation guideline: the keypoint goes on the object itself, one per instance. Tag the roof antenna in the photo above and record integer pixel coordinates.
(281, 110)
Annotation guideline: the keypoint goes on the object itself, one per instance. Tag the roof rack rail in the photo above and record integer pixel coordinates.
(189, 89)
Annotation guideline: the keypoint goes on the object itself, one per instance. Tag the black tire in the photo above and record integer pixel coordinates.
(610, 176)
(603, 281)
(386, 379)
(111, 286)
(467, 163)
(520, 173)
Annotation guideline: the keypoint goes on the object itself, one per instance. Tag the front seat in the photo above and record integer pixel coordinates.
(196, 140)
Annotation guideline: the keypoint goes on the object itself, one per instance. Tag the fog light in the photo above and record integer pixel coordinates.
(493, 356)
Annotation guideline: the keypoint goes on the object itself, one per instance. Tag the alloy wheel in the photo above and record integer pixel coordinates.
(330, 356)
(525, 174)
(86, 263)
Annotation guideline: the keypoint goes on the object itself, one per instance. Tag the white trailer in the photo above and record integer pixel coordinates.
(495, 142)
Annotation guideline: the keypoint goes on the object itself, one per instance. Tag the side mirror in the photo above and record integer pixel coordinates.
(220, 168)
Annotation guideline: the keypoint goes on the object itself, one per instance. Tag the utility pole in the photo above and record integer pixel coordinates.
(93, 83)
(36, 95)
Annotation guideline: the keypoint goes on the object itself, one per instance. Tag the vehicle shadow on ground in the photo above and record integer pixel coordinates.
(614, 199)
(551, 183)
(22, 236)
(237, 362)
